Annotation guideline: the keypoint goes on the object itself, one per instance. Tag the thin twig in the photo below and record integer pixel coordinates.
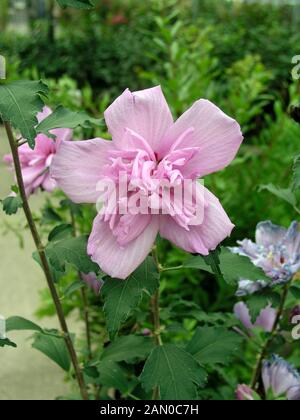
(44, 262)
(156, 316)
(264, 351)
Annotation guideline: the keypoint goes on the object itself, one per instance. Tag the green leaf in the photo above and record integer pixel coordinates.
(64, 118)
(295, 291)
(49, 215)
(213, 260)
(77, 4)
(53, 347)
(17, 323)
(232, 266)
(72, 251)
(296, 173)
(6, 342)
(12, 204)
(20, 103)
(113, 375)
(76, 285)
(259, 301)
(56, 274)
(174, 371)
(128, 348)
(285, 194)
(214, 345)
(60, 232)
(122, 296)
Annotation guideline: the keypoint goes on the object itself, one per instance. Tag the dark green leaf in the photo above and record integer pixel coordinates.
(174, 371)
(56, 274)
(64, 118)
(60, 232)
(20, 103)
(53, 347)
(122, 296)
(113, 375)
(49, 216)
(295, 291)
(232, 266)
(70, 206)
(128, 348)
(76, 4)
(285, 194)
(76, 285)
(213, 261)
(214, 345)
(12, 204)
(72, 251)
(6, 342)
(17, 323)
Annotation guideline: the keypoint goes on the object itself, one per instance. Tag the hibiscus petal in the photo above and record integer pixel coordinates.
(145, 112)
(269, 234)
(199, 239)
(293, 393)
(241, 311)
(46, 111)
(49, 184)
(266, 319)
(292, 239)
(217, 136)
(77, 167)
(61, 134)
(119, 262)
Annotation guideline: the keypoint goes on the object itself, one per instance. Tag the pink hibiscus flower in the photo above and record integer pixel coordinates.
(35, 163)
(147, 145)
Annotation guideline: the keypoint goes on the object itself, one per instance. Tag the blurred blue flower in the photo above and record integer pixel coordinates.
(248, 287)
(276, 251)
(281, 378)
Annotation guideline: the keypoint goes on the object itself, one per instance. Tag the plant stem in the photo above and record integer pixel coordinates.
(155, 303)
(83, 299)
(178, 267)
(44, 262)
(156, 316)
(264, 351)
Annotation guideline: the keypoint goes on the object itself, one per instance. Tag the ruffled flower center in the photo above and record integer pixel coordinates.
(141, 184)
